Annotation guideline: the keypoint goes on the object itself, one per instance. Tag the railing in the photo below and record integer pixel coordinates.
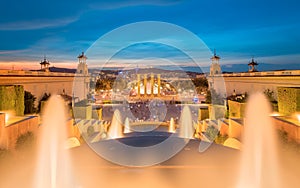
(266, 73)
(34, 73)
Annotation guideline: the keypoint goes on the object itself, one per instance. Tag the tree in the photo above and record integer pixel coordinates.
(270, 95)
(200, 82)
(44, 98)
(29, 100)
(212, 97)
(104, 84)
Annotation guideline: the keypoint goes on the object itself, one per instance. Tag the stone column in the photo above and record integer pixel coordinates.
(138, 85)
(145, 84)
(158, 85)
(152, 85)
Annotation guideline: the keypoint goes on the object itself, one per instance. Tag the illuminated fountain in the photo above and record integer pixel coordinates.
(115, 129)
(172, 128)
(259, 164)
(53, 168)
(186, 129)
(127, 126)
(298, 117)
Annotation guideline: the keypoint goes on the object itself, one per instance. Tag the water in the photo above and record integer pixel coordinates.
(127, 126)
(53, 168)
(259, 164)
(186, 123)
(115, 129)
(172, 128)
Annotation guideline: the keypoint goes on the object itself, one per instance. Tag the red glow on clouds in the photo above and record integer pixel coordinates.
(25, 65)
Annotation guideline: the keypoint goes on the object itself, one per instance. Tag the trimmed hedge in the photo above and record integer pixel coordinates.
(12, 99)
(288, 100)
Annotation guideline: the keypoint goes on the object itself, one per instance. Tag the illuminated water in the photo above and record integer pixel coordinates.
(115, 129)
(172, 128)
(186, 129)
(53, 168)
(259, 164)
(127, 126)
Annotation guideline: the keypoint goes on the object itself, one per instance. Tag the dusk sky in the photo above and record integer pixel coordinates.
(61, 30)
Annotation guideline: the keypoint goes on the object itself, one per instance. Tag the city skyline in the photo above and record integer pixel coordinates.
(267, 31)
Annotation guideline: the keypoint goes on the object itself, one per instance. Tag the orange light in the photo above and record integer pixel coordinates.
(6, 117)
(298, 117)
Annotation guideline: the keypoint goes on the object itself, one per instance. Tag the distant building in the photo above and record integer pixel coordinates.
(227, 84)
(45, 65)
(82, 66)
(215, 79)
(215, 67)
(51, 80)
(252, 66)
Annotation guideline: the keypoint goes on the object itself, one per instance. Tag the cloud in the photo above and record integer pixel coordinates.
(115, 4)
(6, 52)
(37, 24)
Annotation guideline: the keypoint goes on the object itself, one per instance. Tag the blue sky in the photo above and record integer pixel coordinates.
(267, 30)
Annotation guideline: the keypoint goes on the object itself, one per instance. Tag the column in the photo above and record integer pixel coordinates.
(158, 85)
(138, 85)
(152, 85)
(145, 84)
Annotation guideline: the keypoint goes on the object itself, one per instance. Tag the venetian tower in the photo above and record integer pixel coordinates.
(82, 75)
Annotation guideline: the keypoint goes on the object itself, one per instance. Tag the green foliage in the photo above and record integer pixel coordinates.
(211, 133)
(90, 130)
(212, 97)
(29, 100)
(288, 100)
(119, 84)
(220, 139)
(236, 109)
(270, 95)
(12, 99)
(19, 90)
(24, 141)
(92, 84)
(241, 98)
(201, 84)
(82, 103)
(43, 99)
(104, 84)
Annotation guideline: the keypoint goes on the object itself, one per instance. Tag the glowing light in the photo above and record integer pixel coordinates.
(6, 117)
(275, 114)
(298, 117)
(172, 126)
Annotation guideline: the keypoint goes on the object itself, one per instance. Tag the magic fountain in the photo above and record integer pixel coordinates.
(127, 126)
(186, 129)
(259, 164)
(172, 128)
(115, 129)
(53, 168)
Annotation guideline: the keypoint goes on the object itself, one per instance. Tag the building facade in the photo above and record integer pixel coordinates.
(41, 82)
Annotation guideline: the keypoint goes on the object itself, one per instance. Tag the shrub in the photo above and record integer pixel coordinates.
(90, 130)
(220, 139)
(211, 133)
(29, 100)
(44, 98)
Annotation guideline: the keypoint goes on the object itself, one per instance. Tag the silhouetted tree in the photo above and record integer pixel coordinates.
(29, 100)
